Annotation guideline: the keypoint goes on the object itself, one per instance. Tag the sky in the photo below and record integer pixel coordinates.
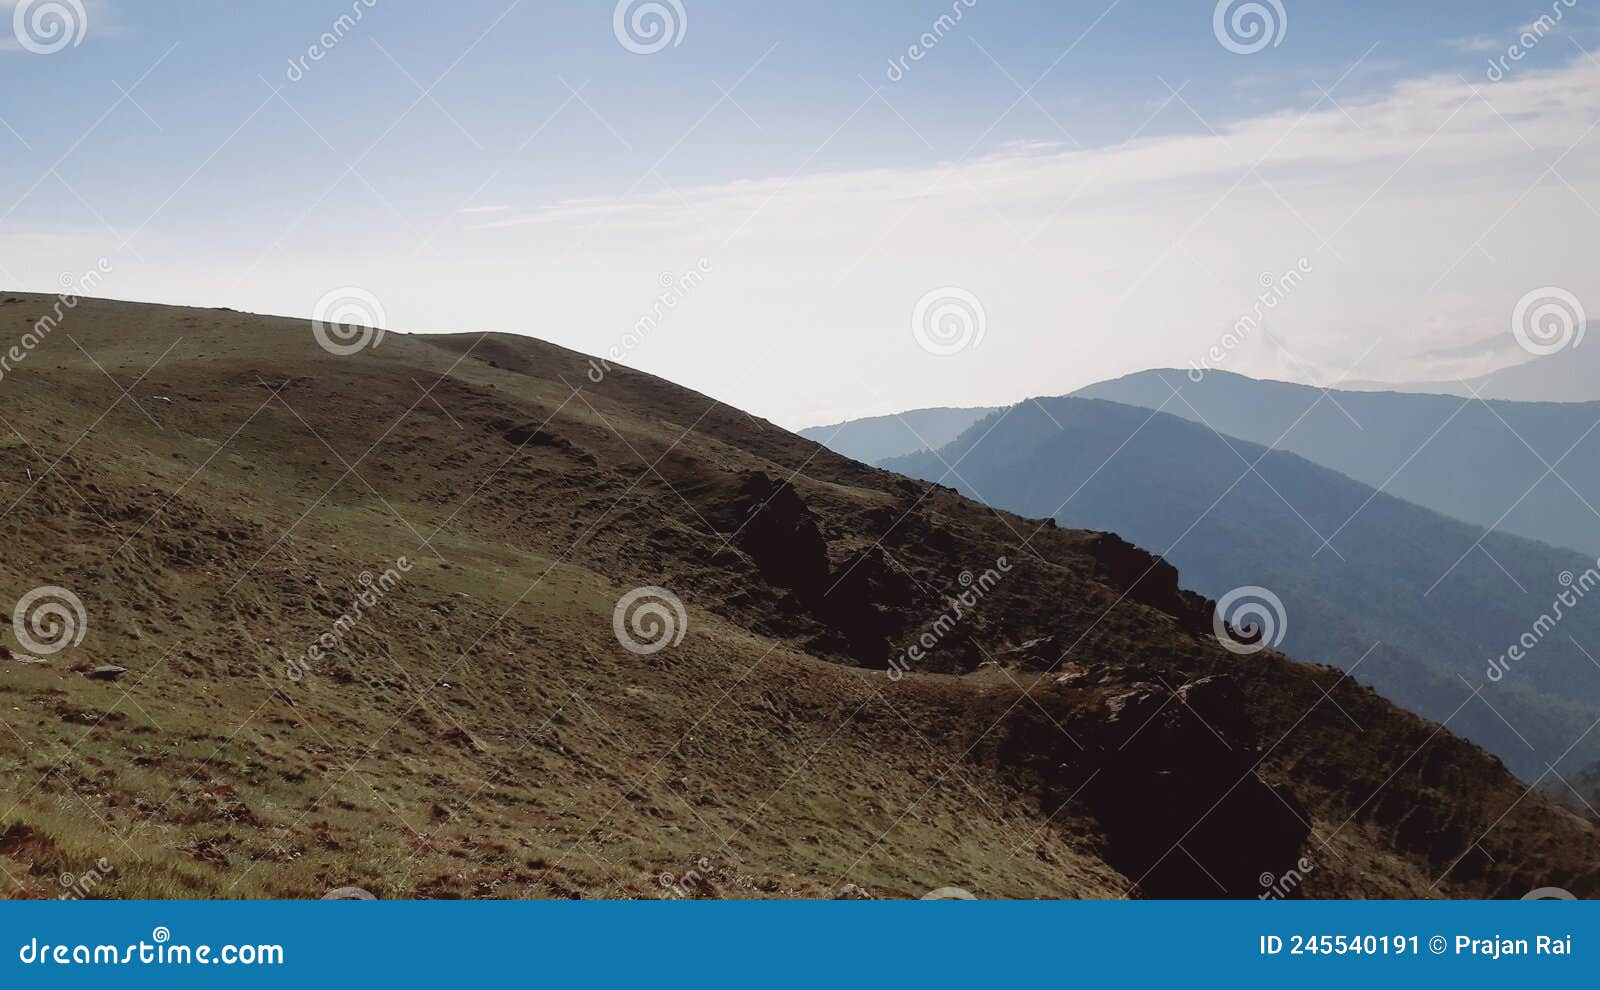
(827, 210)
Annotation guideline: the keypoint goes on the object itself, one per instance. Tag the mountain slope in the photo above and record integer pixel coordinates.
(372, 611)
(1415, 603)
(1418, 447)
(872, 439)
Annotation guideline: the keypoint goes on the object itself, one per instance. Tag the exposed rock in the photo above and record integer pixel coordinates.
(1168, 790)
(857, 601)
(1219, 702)
(1036, 654)
(529, 435)
(781, 535)
(851, 892)
(865, 602)
(1148, 580)
(1135, 705)
(106, 672)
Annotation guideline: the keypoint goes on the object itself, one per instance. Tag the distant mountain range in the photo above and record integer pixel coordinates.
(1412, 602)
(1570, 375)
(873, 439)
(1527, 468)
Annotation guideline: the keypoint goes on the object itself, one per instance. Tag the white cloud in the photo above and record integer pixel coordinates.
(1089, 263)
(1097, 262)
(1475, 44)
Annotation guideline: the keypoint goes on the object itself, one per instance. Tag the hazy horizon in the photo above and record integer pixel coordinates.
(775, 196)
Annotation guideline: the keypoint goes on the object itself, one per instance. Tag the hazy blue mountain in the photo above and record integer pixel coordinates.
(871, 440)
(1181, 490)
(1482, 462)
(1570, 375)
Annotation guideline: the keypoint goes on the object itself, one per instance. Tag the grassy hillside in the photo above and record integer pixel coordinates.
(293, 717)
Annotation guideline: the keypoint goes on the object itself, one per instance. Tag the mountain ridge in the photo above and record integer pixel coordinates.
(1529, 462)
(1398, 595)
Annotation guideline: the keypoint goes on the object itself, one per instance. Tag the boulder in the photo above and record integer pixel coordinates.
(1220, 704)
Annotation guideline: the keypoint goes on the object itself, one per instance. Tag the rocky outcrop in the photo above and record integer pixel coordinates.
(858, 601)
(1148, 579)
(1169, 776)
(781, 535)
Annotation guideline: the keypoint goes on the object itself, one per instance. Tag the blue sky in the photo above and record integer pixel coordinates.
(490, 165)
